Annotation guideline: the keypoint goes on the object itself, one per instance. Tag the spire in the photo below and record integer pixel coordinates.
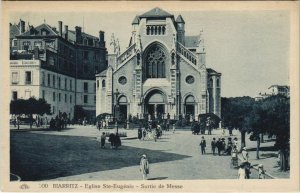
(180, 19)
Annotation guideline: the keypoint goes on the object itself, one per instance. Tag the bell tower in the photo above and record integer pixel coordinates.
(180, 29)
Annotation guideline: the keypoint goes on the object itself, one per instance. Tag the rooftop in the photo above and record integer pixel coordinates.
(156, 13)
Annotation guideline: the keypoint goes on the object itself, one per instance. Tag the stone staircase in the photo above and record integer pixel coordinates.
(186, 54)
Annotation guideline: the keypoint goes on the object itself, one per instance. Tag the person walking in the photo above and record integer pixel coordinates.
(203, 145)
(219, 146)
(144, 167)
(103, 138)
(245, 155)
(154, 133)
(140, 133)
(234, 157)
(173, 128)
(213, 145)
(235, 142)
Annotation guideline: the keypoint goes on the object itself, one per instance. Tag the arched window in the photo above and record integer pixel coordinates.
(103, 83)
(155, 62)
(210, 83)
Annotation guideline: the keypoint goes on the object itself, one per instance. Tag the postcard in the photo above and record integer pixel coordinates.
(162, 96)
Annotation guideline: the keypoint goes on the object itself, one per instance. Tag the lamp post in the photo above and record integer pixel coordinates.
(116, 108)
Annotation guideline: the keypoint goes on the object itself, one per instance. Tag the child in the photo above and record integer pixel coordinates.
(261, 172)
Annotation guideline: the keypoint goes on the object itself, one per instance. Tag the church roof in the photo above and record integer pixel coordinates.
(191, 41)
(136, 20)
(212, 71)
(103, 73)
(156, 12)
(180, 19)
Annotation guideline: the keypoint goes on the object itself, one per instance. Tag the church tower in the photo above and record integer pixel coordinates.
(180, 30)
(135, 24)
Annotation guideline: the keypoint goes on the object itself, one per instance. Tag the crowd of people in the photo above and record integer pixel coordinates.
(231, 148)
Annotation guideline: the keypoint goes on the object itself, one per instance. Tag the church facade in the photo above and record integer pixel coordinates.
(161, 73)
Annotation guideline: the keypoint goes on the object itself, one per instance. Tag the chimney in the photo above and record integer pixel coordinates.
(101, 39)
(78, 37)
(36, 53)
(66, 32)
(60, 28)
(22, 26)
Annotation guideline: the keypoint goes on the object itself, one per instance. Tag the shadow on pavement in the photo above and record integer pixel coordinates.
(267, 148)
(36, 157)
(39, 129)
(158, 178)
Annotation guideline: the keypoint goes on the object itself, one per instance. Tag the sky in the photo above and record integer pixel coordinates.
(249, 48)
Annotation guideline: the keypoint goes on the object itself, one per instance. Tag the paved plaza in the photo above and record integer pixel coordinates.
(75, 154)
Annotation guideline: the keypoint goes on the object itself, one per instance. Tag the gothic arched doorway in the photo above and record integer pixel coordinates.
(189, 105)
(122, 101)
(155, 104)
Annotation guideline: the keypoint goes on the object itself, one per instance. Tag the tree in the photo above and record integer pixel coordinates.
(277, 123)
(29, 107)
(213, 121)
(235, 112)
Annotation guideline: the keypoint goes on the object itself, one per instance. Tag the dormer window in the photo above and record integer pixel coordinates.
(85, 42)
(44, 32)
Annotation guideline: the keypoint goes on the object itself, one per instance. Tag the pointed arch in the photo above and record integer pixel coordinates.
(155, 61)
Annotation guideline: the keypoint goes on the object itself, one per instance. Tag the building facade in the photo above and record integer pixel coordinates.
(57, 65)
(162, 73)
(274, 90)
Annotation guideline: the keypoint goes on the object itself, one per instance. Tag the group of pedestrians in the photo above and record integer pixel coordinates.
(102, 124)
(58, 123)
(231, 148)
(220, 145)
(114, 139)
(153, 130)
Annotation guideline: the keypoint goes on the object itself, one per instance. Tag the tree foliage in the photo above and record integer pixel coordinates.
(235, 114)
(29, 107)
(268, 116)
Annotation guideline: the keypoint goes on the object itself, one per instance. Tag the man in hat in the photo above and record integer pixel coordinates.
(144, 166)
(213, 145)
(103, 138)
(203, 145)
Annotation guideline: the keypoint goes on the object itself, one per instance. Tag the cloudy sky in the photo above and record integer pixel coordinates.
(249, 48)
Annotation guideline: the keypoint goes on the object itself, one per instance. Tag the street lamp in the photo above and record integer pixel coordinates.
(116, 108)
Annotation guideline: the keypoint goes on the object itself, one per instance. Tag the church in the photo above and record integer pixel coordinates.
(161, 73)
